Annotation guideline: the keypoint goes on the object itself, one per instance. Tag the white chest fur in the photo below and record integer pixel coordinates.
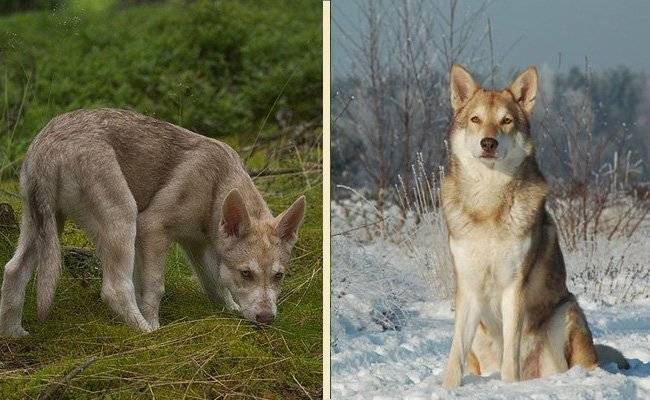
(486, 262)
(487, 266)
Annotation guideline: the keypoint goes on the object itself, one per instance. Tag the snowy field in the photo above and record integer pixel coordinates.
(392, 323)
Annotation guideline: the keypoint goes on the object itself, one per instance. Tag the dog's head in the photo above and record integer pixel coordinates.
(491, 127)
(254, 254)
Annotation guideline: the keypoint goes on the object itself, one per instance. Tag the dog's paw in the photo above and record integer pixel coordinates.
(451, 379)
(450, 383)
(152, 321)
(229, 303)
(232, 306)
(15, 331)
(509, 373)
(155, 325)
(142, 325)
(509, 377)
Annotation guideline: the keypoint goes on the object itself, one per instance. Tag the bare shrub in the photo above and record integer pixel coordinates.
(411, 224)
(371, 289)
(598, 200)
(425, 238)
(595, 177)
(394, 103)
(609, 272)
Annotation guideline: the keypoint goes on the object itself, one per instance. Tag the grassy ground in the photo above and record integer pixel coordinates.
(199, 351)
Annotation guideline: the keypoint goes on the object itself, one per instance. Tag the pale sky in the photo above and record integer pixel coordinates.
(609, 32)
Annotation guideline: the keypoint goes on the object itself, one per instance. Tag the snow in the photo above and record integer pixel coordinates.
(409, 363)
(392, 326)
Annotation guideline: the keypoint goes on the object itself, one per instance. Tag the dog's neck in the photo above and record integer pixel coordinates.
(478, 178)
(485, 188)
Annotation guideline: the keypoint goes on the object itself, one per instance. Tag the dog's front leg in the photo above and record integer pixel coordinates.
(512, 313)
(226, 298)
(467, 317)
(153, 243)
(212, 282)
(201, 258)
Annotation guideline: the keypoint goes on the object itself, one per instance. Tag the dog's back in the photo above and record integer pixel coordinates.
(148, 151)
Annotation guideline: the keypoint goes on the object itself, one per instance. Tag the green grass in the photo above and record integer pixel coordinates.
(199, 351)
(219, 68)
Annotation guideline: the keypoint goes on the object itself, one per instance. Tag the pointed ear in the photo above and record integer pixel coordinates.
(524, 88)
(290, 220)
(234, 216)
(462, 87)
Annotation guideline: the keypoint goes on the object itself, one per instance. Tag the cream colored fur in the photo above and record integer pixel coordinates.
(136, 185)
(513, 312)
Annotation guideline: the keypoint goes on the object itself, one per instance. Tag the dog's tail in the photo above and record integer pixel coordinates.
(607, 354)
(39, 206)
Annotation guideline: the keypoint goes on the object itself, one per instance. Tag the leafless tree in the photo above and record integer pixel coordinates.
(401, 52)
(594, 177)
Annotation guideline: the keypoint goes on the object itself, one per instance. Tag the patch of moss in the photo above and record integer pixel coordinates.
(200, 350)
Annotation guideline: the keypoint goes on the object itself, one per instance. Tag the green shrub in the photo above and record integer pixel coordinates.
(218, 68)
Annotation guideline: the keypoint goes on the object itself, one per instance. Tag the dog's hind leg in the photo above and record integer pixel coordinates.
(553, 358)
(580, 345)
(568, 341)
(116, 250)
(17, 274)
(473, 364)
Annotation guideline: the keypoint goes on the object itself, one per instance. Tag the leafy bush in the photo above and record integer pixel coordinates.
(218, 68)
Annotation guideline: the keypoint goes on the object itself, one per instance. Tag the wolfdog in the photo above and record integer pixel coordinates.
(135, 185)
(513, 311)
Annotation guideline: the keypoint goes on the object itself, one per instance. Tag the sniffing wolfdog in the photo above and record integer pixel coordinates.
(513, 311)
(135, 185)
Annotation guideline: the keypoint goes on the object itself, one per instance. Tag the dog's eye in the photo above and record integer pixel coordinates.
(278, 276)
(506, 120)
(475, 119)
(246, 274)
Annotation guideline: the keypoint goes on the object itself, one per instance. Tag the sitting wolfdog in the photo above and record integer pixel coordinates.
(514, 313)
(135, 185)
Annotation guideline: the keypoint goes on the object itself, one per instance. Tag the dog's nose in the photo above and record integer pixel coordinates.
(489, 144)
(264, 318)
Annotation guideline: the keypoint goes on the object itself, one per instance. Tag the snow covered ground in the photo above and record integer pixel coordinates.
(409, 363)
(392, 327)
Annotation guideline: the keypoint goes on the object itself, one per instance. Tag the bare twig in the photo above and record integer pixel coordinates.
(52, 391)
(285, 171)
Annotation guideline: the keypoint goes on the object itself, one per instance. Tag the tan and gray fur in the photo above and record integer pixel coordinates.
(135, 185)
(513, 312)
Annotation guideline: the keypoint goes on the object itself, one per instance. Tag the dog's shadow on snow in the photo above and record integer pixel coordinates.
(638, 368)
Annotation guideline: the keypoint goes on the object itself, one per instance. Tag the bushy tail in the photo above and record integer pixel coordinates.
(40, 207)
(607, 354)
